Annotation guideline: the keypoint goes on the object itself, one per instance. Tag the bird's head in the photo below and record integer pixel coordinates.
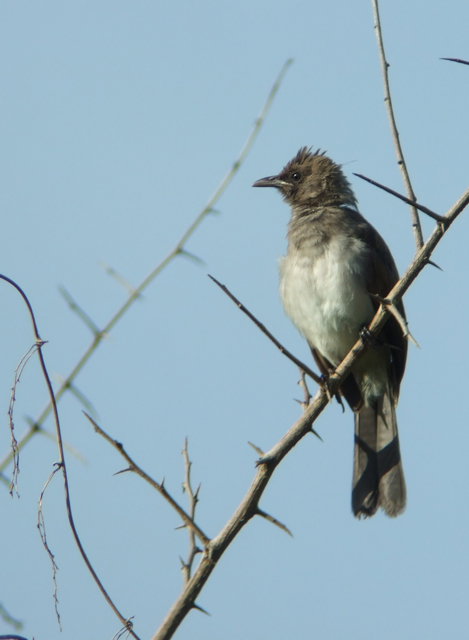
(311, 179)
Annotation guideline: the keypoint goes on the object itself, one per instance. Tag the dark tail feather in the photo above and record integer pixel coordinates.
(378, 478)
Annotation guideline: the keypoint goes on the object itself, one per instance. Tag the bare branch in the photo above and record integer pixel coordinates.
(135, 293)
(42, 532)
(193, 499)
(418, 206)
(304, 386)
(417, 229)
(266, 332)
(248, 507)
(61, 463)
(158, 486)
(14, 443)
(399, 317)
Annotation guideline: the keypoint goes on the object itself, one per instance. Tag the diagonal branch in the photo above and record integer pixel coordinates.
(265, 331)
(420, 207)
(248, 507)
(159, 486)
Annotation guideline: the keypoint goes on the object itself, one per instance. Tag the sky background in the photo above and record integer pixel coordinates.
(118, 121)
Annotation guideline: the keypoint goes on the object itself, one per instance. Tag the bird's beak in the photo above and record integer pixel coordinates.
(271, 181)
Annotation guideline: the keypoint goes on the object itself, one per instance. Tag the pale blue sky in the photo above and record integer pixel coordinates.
(118, 121)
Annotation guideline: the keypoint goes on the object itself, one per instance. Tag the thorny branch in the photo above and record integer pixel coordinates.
(61, 465)
(265, 331)
(193, 499)
(135, 293)
(268, 462)
(416, 227)
(159, 486)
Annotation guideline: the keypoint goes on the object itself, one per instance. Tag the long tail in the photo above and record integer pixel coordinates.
(378, 477)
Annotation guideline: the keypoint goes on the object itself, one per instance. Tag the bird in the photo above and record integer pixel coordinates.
(335, 271)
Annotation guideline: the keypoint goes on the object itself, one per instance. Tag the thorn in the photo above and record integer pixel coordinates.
(181, 526)
(456, 60)
(410, 337)
(273, 520)
(192, 257)
(304, 405)
(123, 471)
(256, 449)
(196, 606)
(110, 271)
(316, 434)
(435, 265)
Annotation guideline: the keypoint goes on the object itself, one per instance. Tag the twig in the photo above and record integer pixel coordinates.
(159, 486)
(307, 396)
(193, 499)
(418, 206)
(398, 316)
(178, 250)
(416, 227)
(61, 462)
(456, 60)
(14, 443)
(249, 505)
(266, 332)
(41, 525)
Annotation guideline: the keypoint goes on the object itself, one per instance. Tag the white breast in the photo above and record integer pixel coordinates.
(324, 295)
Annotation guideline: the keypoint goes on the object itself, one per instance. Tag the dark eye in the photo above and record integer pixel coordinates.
(296, 176)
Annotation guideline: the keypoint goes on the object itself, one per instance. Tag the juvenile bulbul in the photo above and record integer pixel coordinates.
(335, 259)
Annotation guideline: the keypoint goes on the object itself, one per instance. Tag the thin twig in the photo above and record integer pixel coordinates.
(307, 396)
(178, 250)
(249, 505)
(41, 525)
(399, 317)
(159, 486)
(416, 227)
(14, 443)
(266, 332)
(418, 206)
(456, 60)
(193, 499)
(61, 462)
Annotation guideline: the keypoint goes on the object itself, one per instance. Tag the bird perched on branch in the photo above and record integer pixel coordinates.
(335, 268)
